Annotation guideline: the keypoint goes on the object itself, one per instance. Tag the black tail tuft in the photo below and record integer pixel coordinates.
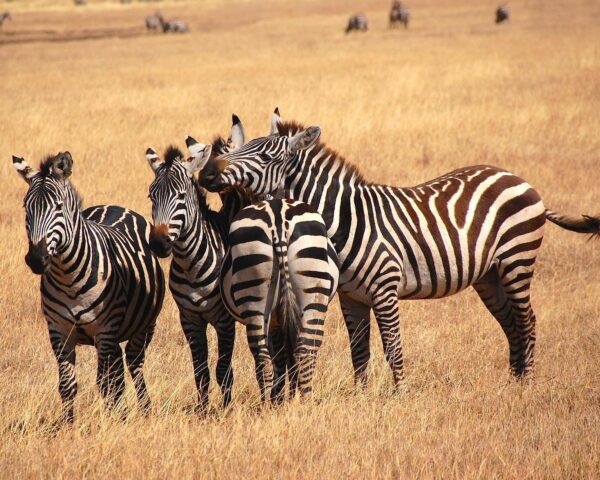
(586, 224)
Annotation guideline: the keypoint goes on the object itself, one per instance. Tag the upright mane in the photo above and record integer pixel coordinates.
(46, 165)
(172, 154)
(347, 172)
(219, 146)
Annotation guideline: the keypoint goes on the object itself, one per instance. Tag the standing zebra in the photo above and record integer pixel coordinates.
(278, 277)
(478, 226)
(358, 23)
(100, 283)
(4, 16)
(502, 14)
(399, 14)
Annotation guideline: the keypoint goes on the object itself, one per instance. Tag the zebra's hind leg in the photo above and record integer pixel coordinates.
(277, 350)
(357, 317)
(64, 350)
(309, 342)
(195, 334)
(519, 332)
(387, 315)
(516, 282)
(135, 354)
(225, 338)
(257, 341)
(111, 372)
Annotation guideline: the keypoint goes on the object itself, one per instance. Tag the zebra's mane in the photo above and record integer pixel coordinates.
(346, 171)
(219, 146)
(45, 171)
(172, 154)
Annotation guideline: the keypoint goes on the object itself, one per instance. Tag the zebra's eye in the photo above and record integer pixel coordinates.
(181, 195)
(59, 206)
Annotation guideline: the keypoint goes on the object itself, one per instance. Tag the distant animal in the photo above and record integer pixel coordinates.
(100, 283)
(399, 14)
(357, 22)
(478, 226)
(153, 22)
(4, 16)
(502, 14)
(277, 278)
(175, 26)
(80, 2)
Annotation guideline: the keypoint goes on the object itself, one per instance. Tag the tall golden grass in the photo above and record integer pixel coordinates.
(407, 106)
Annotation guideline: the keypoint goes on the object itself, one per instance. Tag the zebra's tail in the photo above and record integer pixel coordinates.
(586, 224)
(291, 317)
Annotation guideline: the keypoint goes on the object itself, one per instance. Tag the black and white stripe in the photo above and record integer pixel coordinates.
(100, 283)
(359, 22)
(478, 226)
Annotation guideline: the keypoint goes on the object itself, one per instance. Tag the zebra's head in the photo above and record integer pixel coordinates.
(174, 195)
(260, 164)
(51, 206)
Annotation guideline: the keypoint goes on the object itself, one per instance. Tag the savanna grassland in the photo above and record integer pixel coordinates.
(405, 106)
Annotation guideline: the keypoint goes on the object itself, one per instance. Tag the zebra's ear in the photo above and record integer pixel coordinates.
(23, 169)
(305, 139)
(275, 120)
(62, 167)
(200, 155)
(237, 137)
(153, 159)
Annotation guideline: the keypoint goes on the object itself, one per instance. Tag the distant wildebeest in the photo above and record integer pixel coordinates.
(357, 22)
(399, 14)
(4, 16)
(100, 284)
(502, 14)
(153, 22)
(176, 26)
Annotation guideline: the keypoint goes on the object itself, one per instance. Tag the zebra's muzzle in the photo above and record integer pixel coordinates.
(160, 243)
(37, 258)
(210, 176)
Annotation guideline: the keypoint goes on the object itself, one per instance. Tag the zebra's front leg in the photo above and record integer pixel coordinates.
(111, 371)
(357, 317)
(226, 339)
(310, 340)
(195, 334)
(135, 354)
(257, 341)
(64, 351)
(387, 315)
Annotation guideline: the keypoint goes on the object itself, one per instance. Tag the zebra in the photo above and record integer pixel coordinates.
(100, 284)
(176, 26)
(278, 277)
(4, 16)
(399, 14)
(153, 22)
(477, 226)
(357, 22)
(80, 3)
(502, 14)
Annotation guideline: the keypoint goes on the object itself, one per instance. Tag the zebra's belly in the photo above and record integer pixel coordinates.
(205, 302)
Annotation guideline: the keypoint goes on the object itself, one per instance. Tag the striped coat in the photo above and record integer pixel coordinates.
(100, 284)
(478, 226)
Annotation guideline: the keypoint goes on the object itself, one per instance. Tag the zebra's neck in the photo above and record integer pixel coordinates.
(323, 179)
(202, 237)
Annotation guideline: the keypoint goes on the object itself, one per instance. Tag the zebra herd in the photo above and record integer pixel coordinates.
(400, 14)
(298, 222)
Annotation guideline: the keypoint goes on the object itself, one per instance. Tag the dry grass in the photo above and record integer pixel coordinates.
(404, 106)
